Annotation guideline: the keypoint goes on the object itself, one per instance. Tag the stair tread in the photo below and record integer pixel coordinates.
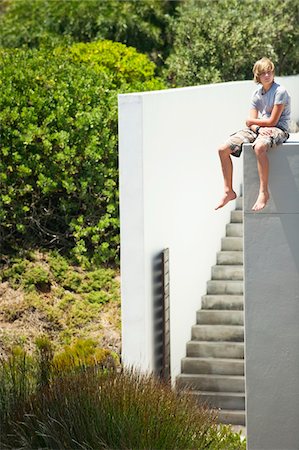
(217, 342)
(225, 251)
(234, 229)
(233, 239)
(220, 316)
(225, 296)
(215, 393)
(232, 417)
(212, 359)
(230, 251)
(224, 280)
(212, 325)
(236, 220)
(233, 411)
(230, 257)
(222, 311)
(236, 216)
(211, 375)
(229, 266)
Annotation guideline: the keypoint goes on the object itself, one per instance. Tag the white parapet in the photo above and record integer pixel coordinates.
(170, 182)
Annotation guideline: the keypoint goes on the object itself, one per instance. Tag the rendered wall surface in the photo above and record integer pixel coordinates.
(170, 182)
(271, 249)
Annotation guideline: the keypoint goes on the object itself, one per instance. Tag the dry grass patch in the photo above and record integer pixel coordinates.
(43, 293)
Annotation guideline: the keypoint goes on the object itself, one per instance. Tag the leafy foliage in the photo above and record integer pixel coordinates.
(141, 24)
(58, 165)
(220, 40)
(83, 353)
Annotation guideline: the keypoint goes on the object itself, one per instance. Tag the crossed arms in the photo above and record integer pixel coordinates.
(265, 122)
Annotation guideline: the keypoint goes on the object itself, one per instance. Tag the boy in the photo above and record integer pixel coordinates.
(267, 126)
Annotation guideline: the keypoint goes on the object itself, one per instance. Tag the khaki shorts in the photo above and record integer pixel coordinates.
(247, 136)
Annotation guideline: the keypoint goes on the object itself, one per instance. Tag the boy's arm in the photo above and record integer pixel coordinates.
(268, 122)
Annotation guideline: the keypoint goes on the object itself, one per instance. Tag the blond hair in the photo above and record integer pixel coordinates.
(262, 65)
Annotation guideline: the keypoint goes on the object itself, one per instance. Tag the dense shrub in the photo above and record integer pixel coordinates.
(141, 24)
(220, 40)
(58, 164)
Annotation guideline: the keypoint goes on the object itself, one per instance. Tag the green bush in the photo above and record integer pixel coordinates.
(141, 24)
(83, 353)
(58, 162)
(27, 275)
(220, 40)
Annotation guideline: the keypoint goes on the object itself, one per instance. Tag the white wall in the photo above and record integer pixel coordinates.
(271, 248)
(170, 182)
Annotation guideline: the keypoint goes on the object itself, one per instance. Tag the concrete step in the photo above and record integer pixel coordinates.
(226, 302)
(226, 333)
(232, 243)
(234, 229)
(219, 317)
(222, 400)
(229, 272)
(214, 349)
(214, 383)
(232, 417)
(217, 366)
(230, 257)
(239, 203)
(236, 216)
(225, 287)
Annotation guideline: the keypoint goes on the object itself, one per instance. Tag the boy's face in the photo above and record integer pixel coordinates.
(267, 77)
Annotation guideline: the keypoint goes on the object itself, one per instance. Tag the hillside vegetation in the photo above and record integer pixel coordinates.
(43, 294)
(63, 63)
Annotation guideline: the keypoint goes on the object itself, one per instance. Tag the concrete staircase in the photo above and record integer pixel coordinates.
(214, 365)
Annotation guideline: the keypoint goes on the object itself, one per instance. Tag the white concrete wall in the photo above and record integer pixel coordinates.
(170, 182)
(271, 248)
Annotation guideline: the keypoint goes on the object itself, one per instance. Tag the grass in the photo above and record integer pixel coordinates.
(44, 293)
(94, 406)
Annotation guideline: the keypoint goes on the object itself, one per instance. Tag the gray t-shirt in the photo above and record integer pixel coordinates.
(264, 103)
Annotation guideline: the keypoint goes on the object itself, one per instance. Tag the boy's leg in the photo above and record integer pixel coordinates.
(227, 170)
(233, 146)
(261, 149)
(274, 136)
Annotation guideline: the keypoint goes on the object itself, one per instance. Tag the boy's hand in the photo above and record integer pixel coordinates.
(266, 131)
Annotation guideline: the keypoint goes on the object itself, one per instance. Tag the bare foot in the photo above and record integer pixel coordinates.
(261, 201)
(228, 196)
